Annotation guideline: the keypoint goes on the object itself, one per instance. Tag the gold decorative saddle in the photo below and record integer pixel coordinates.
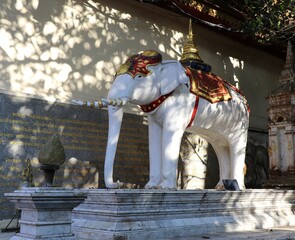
(208, 85)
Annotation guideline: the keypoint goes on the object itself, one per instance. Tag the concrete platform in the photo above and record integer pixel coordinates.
(184, 214)
(262, 234)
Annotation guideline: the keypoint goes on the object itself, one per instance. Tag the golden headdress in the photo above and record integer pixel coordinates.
(137, 63)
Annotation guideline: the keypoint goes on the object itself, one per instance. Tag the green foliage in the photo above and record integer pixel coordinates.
(267, 20)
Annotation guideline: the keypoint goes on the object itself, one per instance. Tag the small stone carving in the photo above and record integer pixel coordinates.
(27, 175)
(51, 156)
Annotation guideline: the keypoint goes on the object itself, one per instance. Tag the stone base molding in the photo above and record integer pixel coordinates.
(46, 213)
(162, 214)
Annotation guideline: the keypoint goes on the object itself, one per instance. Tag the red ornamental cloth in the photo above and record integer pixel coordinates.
(208, 86)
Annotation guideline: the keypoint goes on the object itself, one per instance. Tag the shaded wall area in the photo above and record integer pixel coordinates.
(199, 168)
(198, 163)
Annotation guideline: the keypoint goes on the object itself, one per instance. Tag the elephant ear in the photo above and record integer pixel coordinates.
(172, 74)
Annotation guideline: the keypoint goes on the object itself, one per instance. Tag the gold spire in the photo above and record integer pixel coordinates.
(190, 51)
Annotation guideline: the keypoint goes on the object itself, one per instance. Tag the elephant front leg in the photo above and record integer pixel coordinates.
(171, 141)
(238, 152)
(155, 150)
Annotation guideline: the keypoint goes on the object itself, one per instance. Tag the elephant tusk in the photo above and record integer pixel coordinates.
(93, 104)
(78, 102)
(116, 102)
(122, 101)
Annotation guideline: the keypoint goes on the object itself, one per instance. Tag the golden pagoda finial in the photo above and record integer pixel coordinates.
(190, 30)
(190, 51)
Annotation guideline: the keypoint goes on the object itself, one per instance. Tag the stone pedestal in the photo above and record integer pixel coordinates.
(46, 213)
(159, 214)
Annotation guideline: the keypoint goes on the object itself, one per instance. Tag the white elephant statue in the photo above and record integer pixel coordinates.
(164, 91)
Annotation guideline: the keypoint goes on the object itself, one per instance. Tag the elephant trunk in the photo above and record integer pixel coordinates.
(115, 120)
(104, 102)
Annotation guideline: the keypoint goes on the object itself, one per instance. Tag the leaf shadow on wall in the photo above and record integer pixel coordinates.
(59, 50)
(70, 49)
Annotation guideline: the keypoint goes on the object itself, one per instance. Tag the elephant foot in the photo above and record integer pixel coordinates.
(242, 185)
(219, 187)
(152, 184)
(114, 185)
(148, 186)
(167, 186)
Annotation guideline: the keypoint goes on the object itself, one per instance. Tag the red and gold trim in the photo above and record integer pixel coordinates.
(211, 87)
(137, 64)
(194, 112)
(153, 105)
(240, 92)
(207, 85)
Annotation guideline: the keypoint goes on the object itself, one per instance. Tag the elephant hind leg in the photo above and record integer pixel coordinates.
(237, 153)
(223, 155)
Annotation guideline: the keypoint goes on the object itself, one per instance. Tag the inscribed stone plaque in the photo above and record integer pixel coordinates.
(26, 124)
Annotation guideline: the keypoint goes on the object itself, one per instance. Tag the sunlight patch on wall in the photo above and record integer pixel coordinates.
(24, 110)
(161, 47)
(176, 42)
(49, 28)
(105, 71)
(237, 63)
(6, 46)
(143, 42)
(70, 49)
(15, 148)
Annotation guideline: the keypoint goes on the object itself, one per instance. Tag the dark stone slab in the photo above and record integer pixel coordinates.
(27, 123)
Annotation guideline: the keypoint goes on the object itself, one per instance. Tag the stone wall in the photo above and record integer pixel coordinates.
(26, 124)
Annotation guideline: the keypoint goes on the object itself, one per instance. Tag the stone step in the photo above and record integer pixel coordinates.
(162, 214)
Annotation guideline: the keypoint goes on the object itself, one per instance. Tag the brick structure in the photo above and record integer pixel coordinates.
(282, 125)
